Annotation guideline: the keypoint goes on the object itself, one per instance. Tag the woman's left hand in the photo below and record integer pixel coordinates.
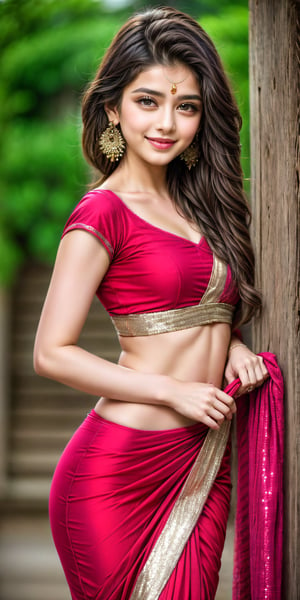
(246, 365)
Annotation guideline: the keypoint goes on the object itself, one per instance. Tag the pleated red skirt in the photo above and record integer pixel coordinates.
(112, 492)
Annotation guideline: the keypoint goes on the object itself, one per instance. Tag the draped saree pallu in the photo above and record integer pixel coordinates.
(258, 551)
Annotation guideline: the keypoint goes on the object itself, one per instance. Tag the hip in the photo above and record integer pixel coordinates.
(114, 455)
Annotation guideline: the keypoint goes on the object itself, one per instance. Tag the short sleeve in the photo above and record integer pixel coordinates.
(95, 213)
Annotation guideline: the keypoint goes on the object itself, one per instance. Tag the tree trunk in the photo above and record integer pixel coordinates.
(275, 127)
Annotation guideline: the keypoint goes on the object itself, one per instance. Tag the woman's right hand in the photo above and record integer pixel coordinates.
(203, 402)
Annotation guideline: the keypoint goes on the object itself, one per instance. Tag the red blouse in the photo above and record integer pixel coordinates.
(150, 269)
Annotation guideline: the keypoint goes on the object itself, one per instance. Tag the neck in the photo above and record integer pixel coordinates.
(141, 177)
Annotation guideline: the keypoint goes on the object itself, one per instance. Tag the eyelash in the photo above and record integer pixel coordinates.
(145, 99)
(189, 107)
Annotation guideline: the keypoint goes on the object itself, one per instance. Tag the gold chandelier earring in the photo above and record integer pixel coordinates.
(112, 143)
(191, 155)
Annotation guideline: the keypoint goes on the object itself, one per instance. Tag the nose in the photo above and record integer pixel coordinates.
(167, 119)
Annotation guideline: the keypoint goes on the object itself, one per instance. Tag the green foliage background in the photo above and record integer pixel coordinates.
(49, 51)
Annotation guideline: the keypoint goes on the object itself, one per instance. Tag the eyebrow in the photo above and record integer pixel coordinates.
(161, 95)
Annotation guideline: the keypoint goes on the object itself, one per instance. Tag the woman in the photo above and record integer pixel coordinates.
(163, 240)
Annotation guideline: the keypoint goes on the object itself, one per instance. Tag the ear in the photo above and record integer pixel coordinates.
(112, 114)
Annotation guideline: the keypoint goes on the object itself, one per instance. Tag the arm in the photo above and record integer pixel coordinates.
(80, 267)
(243, 363)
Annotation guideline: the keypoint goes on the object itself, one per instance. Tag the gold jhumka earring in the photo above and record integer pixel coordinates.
(112, 143)
(190, 155)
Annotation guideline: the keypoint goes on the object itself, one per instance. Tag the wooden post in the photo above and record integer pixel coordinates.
(275, 128)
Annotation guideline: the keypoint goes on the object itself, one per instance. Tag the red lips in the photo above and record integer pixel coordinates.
(161, 143)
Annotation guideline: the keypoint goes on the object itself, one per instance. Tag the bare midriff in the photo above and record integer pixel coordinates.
(196, 354)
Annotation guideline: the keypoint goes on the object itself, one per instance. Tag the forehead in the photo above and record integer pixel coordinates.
(160, 77)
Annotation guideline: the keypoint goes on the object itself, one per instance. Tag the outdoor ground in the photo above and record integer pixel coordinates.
(30, 570)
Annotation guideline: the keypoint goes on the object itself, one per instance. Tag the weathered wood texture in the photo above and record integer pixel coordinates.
(275, 100)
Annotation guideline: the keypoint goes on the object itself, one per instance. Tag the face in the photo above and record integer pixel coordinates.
(157, 124)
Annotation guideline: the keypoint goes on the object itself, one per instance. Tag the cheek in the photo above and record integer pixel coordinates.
(133, 122)
(132, 116)
(131, 132)
(189, 128)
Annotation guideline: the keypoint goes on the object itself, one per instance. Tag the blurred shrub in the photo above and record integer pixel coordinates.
(229, 31)
(49, 51)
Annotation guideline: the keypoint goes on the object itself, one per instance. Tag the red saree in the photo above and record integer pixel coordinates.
(112, 493)
(121, 497)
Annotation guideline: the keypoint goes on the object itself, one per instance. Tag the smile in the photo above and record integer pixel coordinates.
(161, 143)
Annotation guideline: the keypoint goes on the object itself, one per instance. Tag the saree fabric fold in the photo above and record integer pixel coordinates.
(259, 516)
(112, 493)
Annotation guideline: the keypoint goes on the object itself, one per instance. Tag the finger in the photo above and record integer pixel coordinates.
(252, 376)
(229, 375)
(257, 372)
(263, 369)
(209, 422)
(226, 399)
(229, 371)
(244, 379)
(240, 392)
(226, 409)
(217, 415)
(260, 378)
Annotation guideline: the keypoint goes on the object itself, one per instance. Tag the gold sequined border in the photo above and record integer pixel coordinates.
(183, 518)
(208, 311)
(172, 320)
(216, 283)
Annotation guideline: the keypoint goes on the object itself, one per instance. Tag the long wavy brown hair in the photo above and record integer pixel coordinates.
(210, 194)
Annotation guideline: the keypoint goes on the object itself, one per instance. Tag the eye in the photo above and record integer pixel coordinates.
(146, 101)
(188, 107)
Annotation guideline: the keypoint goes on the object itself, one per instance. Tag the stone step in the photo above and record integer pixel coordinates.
(29, 566)
(30, 590)
(49, 413)
(26, 490)
(47, 421)
(30, 569)
(46, 440)
(43, 414)
(33, 463)
(33, 394)
(23, 359)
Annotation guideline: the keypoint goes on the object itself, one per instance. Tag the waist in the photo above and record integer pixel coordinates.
(197, 354)
(142, 417)
(150, 434)
(194, 354)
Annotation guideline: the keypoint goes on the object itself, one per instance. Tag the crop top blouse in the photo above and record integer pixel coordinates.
(157, 281)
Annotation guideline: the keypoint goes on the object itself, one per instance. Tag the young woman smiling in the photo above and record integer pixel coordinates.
(163, 240)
